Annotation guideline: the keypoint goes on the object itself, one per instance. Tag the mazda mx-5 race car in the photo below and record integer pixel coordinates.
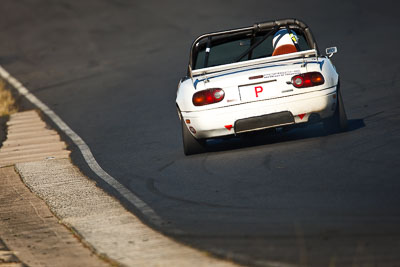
(268, 75)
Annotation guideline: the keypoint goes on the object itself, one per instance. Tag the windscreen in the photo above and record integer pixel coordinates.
(227, 49)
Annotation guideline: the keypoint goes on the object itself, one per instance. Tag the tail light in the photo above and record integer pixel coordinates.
(208, 96)
(308, 79)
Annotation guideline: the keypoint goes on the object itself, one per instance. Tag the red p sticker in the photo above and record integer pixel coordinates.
(258, 90)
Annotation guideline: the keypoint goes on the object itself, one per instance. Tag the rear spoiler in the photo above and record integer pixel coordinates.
(302, 54)
(257, 27)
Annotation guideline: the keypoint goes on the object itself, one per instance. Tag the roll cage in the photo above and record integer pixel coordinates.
(268, 28)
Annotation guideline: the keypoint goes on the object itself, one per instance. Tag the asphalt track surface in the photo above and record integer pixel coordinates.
(110, 70)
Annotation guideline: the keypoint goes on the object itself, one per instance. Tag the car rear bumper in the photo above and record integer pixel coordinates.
(227, 120)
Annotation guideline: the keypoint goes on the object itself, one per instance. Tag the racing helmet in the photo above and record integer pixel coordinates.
(284, 42)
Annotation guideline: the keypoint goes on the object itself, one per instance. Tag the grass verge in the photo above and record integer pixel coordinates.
(7, 101)
(7, 107)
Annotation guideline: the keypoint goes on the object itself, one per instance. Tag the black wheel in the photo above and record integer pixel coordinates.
(338, 122)
(191, 145)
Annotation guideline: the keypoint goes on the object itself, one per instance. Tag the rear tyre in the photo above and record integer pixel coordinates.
(191, 145)
(338, 122)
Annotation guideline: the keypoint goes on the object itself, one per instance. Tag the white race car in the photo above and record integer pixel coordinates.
(268, 75)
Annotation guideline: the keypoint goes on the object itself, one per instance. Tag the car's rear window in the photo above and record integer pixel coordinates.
(225, 50)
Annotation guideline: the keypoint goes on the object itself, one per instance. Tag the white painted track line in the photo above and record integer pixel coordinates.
(147, 211)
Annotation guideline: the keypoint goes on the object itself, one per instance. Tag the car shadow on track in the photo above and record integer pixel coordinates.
(267, 137)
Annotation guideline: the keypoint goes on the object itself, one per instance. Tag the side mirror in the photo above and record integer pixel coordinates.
(330, 51)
